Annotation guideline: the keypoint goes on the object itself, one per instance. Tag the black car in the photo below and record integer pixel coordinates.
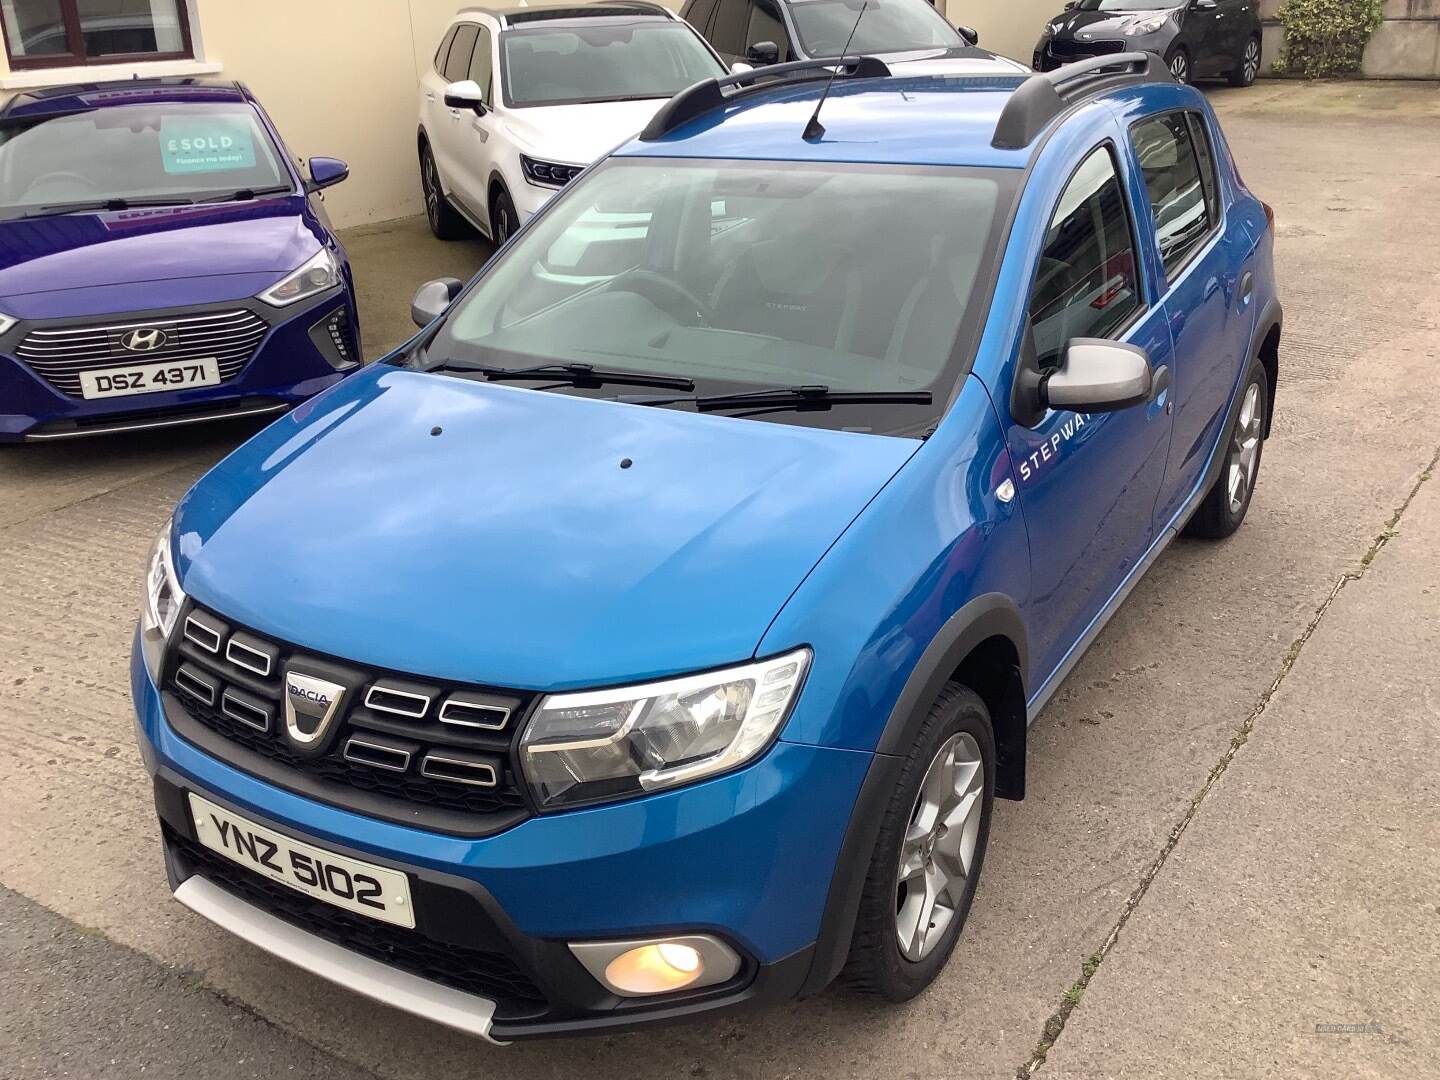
(1199, 39)
(906, 32)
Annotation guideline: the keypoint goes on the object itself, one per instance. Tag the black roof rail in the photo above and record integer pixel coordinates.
(603, 9)
(709, 94)
(1042, 97)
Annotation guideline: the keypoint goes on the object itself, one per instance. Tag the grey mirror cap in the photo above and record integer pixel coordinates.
(1099, 376)
(433, 298)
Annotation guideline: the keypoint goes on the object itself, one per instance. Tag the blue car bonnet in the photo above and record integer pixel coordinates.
(487, 533)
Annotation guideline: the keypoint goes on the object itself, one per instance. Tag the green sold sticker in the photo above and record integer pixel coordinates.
(209, 144)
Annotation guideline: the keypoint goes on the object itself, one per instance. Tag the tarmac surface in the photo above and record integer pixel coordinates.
(1227, 862)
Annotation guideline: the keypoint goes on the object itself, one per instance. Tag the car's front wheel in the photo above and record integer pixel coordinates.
(1179, 64)
(503, 219)
(927, 858)
(1249, 64)
(1226, 503)
(445, 221)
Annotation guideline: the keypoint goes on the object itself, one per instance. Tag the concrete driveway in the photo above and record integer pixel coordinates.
(1228, 862)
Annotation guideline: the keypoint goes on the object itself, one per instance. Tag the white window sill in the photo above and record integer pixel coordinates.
(33, 78)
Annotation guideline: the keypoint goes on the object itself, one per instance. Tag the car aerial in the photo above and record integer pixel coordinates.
(1198, 39)
(519, 100)
(910, 36)
(162, 262)
(653, 632)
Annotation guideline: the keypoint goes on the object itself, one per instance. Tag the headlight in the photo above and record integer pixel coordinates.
(320, 272)
(163, 600)
(609, 744)
(1047, 31)
(548, 173)
(1147, 25)
(6, 321)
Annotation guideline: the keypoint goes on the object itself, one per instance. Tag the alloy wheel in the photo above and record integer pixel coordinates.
(1180, 67)
(502, 226)
(937, 855)
(1244, 453)
(430, 181)
(1250, 62)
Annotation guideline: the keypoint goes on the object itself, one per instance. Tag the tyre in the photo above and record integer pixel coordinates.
(1178, 61)
(927, 858)
(1248, 66)
(1225, 504)
(445, 221)
(503, 219)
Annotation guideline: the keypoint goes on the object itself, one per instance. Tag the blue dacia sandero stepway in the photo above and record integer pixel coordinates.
(652, 633)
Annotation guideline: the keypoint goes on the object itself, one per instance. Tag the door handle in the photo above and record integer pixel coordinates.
(1159, 382)
(429, 95)
(1247, 288)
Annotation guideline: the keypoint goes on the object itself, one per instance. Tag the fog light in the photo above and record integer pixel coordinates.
(655, 969)
(658, 966)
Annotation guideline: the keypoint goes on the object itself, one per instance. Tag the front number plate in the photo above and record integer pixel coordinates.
(149, 378)
(347, 883)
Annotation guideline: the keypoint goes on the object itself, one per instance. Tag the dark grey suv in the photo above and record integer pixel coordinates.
(1199, 39)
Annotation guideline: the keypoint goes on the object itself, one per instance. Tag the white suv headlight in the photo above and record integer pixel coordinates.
(610, 744)
(163, 600)
(314, 276)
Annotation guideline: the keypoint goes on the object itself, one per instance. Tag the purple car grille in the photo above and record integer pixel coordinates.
(59, 354)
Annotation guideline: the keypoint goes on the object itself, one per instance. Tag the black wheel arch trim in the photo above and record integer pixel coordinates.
(987, 616)
(1272, 319)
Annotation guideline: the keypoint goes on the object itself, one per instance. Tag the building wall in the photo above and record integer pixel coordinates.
(1008, 27)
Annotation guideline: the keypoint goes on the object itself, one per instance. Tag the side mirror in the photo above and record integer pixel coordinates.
(326, 172)
(1204, 5)
(1098, 376)
(433, 298)
(970, 34)
(764, 53)
(739, 67)
(466, 94)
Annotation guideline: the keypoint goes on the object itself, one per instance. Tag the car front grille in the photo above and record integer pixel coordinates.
(1070, 49)
(59, 353)
(400, 748)
(486, 973)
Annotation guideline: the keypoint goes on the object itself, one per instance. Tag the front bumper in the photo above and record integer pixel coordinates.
(748, 857)
(296, 359)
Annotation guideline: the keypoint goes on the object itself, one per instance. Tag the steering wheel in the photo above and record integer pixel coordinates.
(665, 293)
(86, 185)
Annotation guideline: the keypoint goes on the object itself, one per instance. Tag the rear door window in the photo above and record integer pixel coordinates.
(1086, 284)
(727, 32)
(1182, 212)
(443, 51)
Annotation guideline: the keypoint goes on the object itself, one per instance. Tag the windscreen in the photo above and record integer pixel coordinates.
(181, 151)
(603, 62)
(887, 26)
(746, 274)
(1123, 5)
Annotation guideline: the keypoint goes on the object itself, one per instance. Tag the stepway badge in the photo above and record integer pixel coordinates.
(206, 144)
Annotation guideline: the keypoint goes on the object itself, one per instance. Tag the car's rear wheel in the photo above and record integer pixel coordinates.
(503, 219)
(1249, 64)
(928, 855)
(1226, 503)
(445, 221)
(1179, 64)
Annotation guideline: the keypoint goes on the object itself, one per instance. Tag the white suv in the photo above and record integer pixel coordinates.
(520, 100)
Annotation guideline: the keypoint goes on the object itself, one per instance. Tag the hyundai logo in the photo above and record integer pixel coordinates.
(144, 339)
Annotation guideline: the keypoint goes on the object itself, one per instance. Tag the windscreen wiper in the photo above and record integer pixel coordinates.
(243, 194)
(586, 376)
(792, 397)
(106, 204)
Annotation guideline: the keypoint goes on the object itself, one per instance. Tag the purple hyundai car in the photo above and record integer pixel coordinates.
(162, 262)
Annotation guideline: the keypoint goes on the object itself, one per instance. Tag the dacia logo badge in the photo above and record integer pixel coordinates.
(144, 339)
(311, 704)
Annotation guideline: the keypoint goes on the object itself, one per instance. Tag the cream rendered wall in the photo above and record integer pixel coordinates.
(1008, 27)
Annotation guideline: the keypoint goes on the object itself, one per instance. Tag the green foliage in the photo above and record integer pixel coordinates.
(1326, 37)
